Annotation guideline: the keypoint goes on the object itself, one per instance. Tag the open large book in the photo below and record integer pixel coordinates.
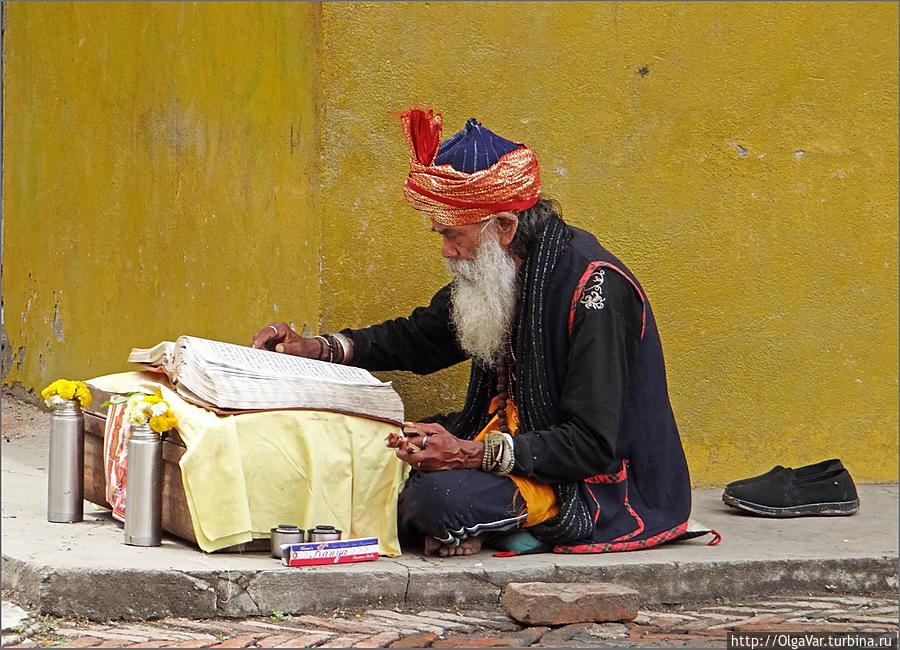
(234, 377)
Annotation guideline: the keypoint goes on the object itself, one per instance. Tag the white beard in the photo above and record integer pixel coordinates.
(483, 299)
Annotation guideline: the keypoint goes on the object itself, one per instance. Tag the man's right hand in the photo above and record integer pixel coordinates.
(279, 337)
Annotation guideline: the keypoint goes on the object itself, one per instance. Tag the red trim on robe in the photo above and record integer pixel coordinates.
(608, 479)
(611, 479)
(611, 547)
(583, 281)
(640, 522)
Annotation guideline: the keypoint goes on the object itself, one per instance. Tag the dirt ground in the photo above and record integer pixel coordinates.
(16, 416)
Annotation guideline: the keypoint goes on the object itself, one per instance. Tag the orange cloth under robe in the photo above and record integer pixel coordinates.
(540, 498)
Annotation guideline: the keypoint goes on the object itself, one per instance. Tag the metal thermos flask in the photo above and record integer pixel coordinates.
(65, 481)
(143, 488)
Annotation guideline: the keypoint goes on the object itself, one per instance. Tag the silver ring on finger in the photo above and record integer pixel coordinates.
(424, 441)
(274, 329)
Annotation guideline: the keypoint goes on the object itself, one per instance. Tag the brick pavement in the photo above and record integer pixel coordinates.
(703, 625)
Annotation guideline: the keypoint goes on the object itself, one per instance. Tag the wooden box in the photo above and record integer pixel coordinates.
(176, 518)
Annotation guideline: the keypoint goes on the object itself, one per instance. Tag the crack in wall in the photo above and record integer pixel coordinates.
(406, 589)
(249, 593)
(230, 591)
(58, 330)
(484, 577)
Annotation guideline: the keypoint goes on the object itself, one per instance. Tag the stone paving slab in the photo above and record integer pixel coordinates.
(12, 615)
(696, 625)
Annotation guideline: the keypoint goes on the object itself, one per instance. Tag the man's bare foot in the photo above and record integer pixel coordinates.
(468, 547)
(431, 545)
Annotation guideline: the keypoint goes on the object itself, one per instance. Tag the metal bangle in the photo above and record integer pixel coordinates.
(507, 461)
(345, 344)
(510, 456)
(338, 349)
(323, 347)
(499, 453)
(493, 444)
(334, 349)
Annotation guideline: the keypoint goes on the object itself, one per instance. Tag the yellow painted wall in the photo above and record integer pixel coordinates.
(748, 177)
(160, 177)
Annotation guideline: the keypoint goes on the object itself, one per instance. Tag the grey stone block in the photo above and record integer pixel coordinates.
(100, 595)
(677, 582)
(451, 585)
(314, 589)
(581, 635)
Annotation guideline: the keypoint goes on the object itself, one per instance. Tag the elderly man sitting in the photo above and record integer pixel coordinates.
(567, 430)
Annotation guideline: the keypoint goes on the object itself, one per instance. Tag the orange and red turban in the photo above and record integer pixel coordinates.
(470, 176)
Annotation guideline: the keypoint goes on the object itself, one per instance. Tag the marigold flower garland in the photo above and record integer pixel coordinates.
(64, 390)
(141, 409)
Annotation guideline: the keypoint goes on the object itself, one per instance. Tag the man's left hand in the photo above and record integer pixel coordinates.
(438, 449)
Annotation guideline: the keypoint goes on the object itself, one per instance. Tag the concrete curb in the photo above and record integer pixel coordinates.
(85, 570)
(138, 594)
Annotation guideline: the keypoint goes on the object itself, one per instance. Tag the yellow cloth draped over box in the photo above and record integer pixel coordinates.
(244, 474)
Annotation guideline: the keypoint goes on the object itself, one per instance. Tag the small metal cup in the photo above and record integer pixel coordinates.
(323, 533)
(285, 534)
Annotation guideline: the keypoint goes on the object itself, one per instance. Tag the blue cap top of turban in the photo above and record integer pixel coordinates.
(473, 148)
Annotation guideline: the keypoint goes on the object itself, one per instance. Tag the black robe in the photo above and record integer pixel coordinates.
(592, 394)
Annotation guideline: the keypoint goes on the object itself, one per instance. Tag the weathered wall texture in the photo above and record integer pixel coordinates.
(161, 165)
(741, 158)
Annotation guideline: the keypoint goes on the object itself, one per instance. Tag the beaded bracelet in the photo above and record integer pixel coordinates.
(491, 443)
(486, 458)
(335, 348)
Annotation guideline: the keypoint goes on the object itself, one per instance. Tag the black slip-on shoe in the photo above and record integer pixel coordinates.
(807, 470)
(822, 467)
(788, 494)
(767, 476)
